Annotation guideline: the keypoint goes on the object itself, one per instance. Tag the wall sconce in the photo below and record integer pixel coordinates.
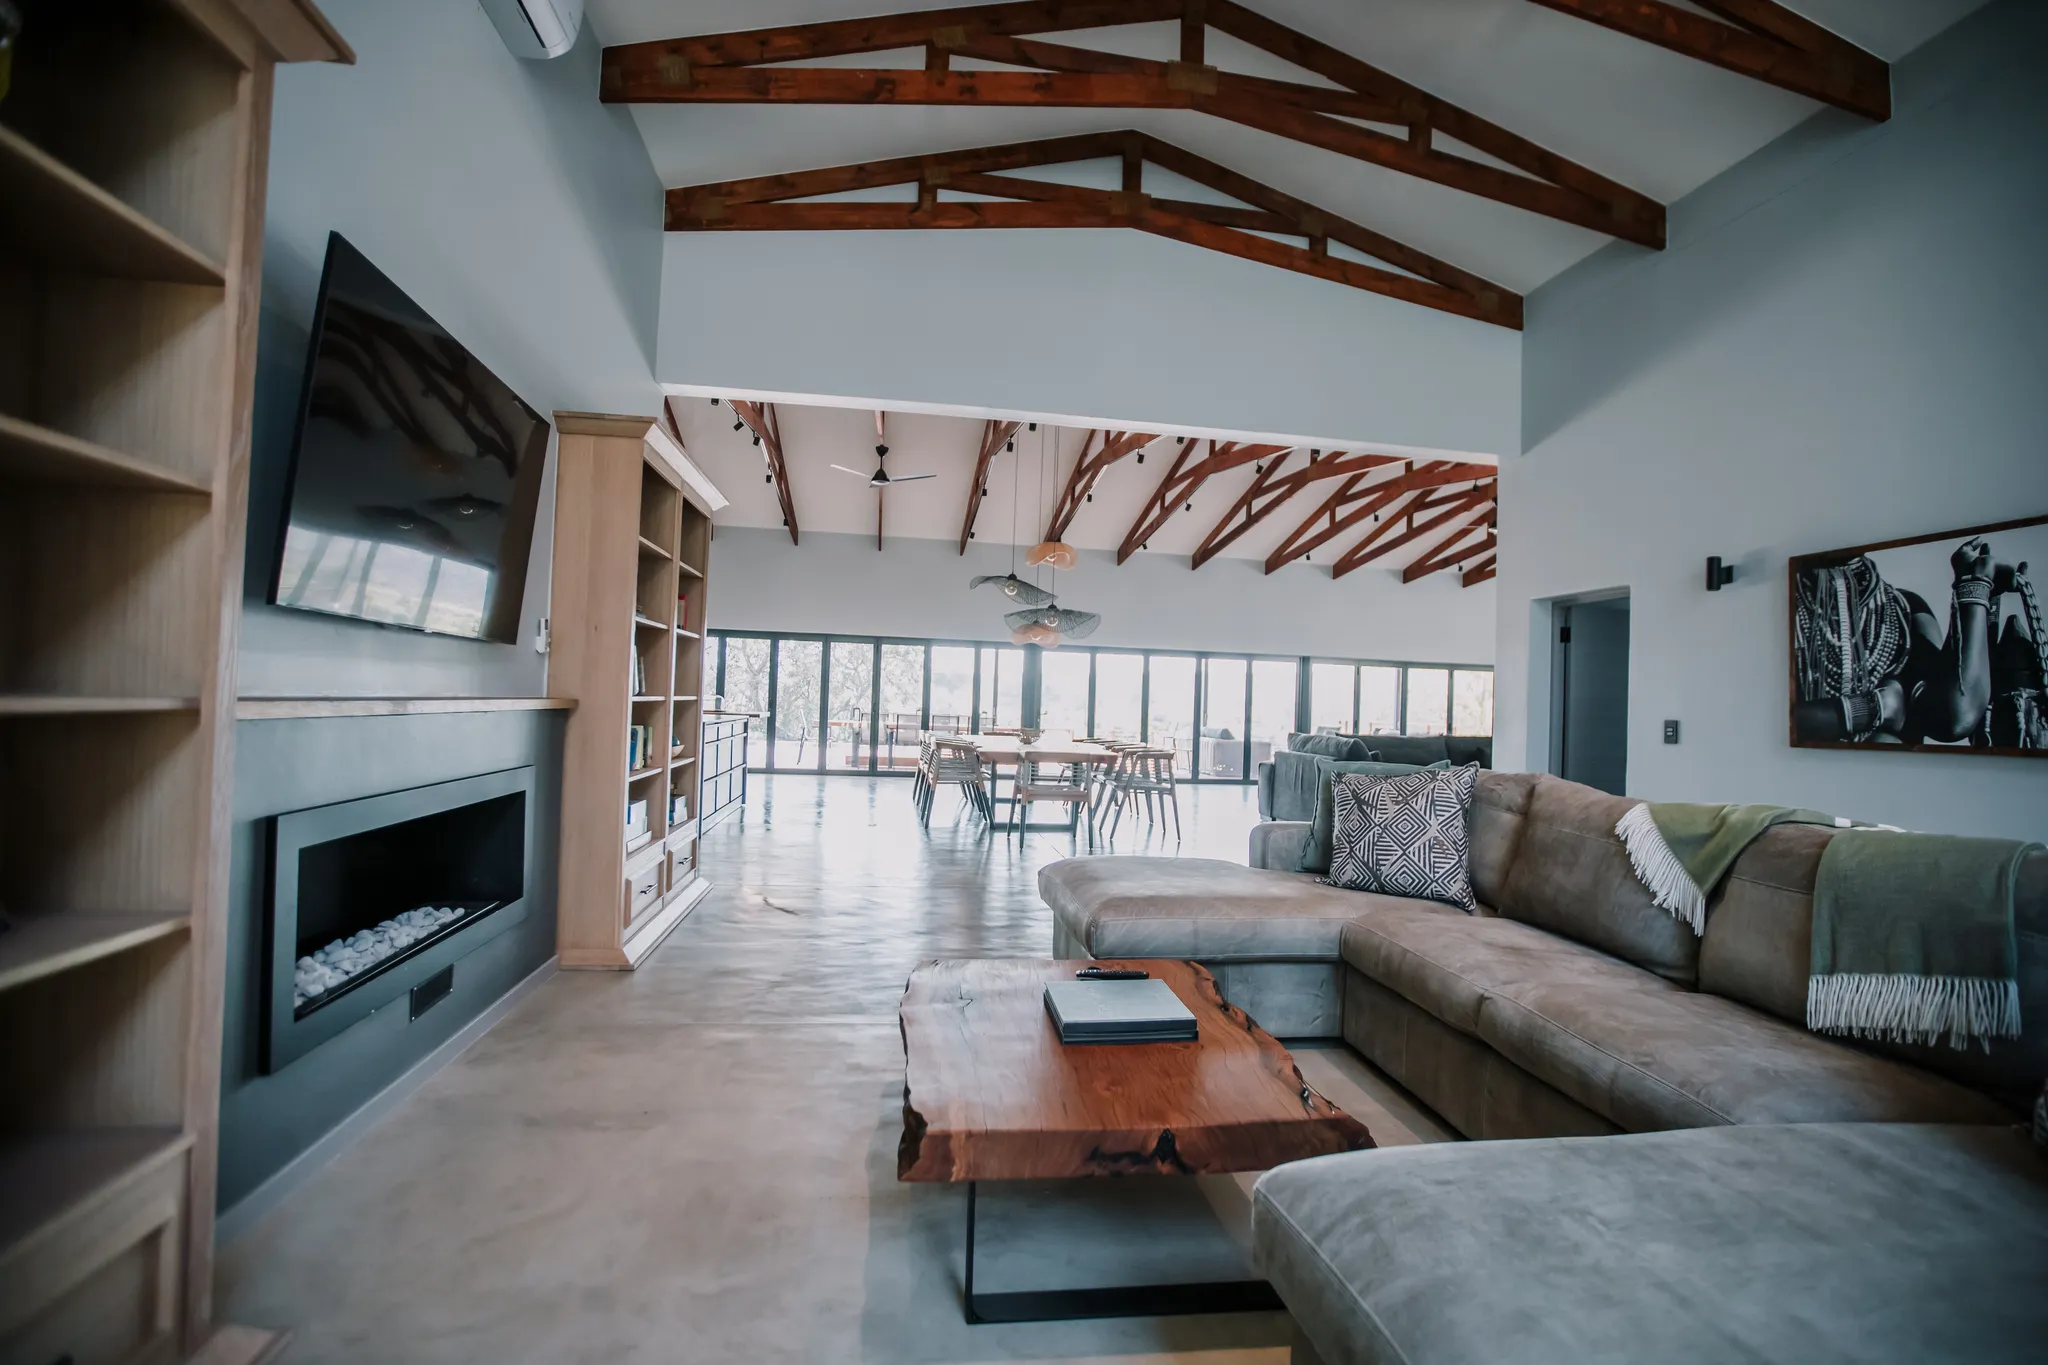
(1719, 575)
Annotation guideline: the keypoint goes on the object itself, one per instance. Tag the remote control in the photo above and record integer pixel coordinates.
(1112, 974)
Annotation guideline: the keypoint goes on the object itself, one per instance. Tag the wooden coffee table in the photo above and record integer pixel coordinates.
(990, 1093)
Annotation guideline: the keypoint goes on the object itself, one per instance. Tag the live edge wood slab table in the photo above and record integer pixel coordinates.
(990, 1093)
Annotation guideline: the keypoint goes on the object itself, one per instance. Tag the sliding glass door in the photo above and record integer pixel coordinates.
(861, 705)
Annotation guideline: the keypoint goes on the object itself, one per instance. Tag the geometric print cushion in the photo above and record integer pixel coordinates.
(1404, 835)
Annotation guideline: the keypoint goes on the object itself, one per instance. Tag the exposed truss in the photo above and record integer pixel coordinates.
(1185, 476)
(740, 68)
(1478, 573)
(1355, 499)
(1087, 469)
(1449, 507)
(1453, 549)
(1272, 488)
(1756, 38)
(994, 436)
(760, 418)
(764, 203)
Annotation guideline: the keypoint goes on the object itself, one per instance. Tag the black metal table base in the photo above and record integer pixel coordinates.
(1121, 1301)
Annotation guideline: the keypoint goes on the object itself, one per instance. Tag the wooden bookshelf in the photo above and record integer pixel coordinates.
(132, 160)
(630, 511)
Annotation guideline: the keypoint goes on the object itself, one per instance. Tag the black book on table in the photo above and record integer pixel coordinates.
(1118, 1012)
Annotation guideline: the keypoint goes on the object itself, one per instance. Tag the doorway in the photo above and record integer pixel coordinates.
(1589, 692)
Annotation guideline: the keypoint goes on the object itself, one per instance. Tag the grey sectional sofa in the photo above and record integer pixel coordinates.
(1570, 1006)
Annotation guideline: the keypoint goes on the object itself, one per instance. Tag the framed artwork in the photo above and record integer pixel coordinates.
(1934, 644)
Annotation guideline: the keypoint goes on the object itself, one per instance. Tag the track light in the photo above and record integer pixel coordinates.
(1313, 453)
(1141, 457)
(1011, 445)
(738, 425)
(1258, 469)
(757, 440)
(1091, 497)
(1180, 440)
(714, 402)
(1190, 507)
(1034, 426)
(768, 478)
(970, 535)
(984, 490)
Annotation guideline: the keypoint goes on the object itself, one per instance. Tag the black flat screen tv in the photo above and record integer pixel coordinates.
(416, 472)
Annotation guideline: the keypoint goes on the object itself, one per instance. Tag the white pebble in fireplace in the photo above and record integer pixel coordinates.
(344, 958)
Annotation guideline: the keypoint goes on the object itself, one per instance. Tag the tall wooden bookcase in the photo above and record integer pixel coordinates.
(632, 550)
(133, 146)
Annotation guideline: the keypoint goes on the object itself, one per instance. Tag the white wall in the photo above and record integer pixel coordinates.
(1113, 325)
(518, 211)
(1845, 342)
(840, 584)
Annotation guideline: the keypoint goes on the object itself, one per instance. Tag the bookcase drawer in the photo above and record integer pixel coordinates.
(643, 889)
(682, 862)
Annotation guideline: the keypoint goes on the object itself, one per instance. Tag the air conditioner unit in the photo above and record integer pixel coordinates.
(536, 29)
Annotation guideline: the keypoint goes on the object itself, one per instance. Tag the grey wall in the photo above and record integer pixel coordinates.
(1845, 342)
(841, 584)
(519, 212)
(289, 765)
(1112, 325)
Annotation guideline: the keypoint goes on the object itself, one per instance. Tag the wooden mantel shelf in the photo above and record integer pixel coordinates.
(300, 708)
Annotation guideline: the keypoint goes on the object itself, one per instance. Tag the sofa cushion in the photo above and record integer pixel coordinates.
(1758, 946)
(1800, 1245)
(1571, 876)
(1200, 908)
(1451, 965)
(1650, 1058)
(1329, 746)
(1323, 817)
(1294, 786)
(1499, 801)
(1416, 749)
(1463, 749)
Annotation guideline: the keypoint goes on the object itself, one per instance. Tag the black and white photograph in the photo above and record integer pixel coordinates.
(1930, 643)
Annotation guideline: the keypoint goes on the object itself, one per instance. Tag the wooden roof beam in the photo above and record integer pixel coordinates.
(760, 204)
(1087, 469)
(1755, 38)
(1271, 490)
(1478, 573)
(728, 68)
(1452, 549)
(1363, 500)
(1377, 543)
(761, 419)
(994, 436)
(1181, 481)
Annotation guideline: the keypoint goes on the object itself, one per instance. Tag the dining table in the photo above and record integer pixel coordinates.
(1009, 751)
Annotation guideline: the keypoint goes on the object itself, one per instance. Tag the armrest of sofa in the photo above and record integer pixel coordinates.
(1266, 791)
(1277, 845)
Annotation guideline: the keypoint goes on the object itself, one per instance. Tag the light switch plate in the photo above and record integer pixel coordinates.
(1671, 732)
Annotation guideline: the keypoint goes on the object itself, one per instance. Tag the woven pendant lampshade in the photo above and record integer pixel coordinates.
(1055, 553)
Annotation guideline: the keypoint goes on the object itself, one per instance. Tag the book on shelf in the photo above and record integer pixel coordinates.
(636, 820)
(639, 747)
(639, 674)
(682, 611)
(678, 809)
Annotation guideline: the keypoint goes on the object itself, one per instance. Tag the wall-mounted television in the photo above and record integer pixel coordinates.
(416, 472)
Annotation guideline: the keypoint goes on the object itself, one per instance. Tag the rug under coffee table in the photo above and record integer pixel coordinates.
(990, 1093)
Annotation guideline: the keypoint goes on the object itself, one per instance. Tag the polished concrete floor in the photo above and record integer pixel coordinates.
(695, 1162)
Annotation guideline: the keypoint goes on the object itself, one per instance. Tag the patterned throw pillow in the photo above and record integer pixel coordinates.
(1404, 835)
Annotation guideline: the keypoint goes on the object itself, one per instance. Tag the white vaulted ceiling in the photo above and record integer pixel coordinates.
(1656, 121)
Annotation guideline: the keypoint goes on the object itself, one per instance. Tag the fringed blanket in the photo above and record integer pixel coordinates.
(1681, 852)
(1913, 938)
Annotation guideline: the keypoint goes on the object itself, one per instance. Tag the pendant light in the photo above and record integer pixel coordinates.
(1056, 554)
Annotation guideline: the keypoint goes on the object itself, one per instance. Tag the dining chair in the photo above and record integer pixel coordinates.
(1149, 776)
(1035, 783)
(956, 762)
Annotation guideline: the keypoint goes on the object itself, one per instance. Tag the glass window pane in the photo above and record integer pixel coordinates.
(1170, 722)
(1063, 692)
(1002, 688)
(902, 704)
(797, 666)
(746, 675)
(1472, 702)
(1429, 701)
(1329, 697)
(1223, 698)
(1119, 695)
(1273, 683)
(952, 689)
(1379, 700)
(853, 703)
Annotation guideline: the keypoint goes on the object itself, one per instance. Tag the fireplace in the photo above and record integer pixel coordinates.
(377, 899)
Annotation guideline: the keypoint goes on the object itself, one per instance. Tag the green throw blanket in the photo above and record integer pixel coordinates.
(1681, 852)
(1913, 938)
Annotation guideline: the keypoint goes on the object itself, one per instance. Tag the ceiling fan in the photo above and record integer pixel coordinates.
(880, 478)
